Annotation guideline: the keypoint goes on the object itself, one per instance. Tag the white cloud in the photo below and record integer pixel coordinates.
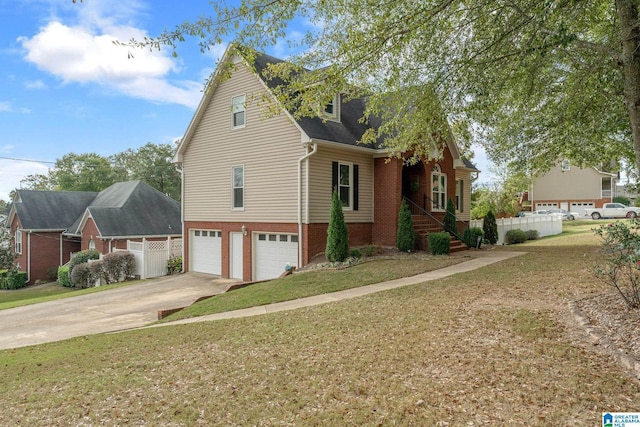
(7, 107)
(13, 171)
(35, 84)
(85, 53)
(5, 149)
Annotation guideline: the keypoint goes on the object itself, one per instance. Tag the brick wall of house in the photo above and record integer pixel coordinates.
(316, 238)
(45, 254)
(387, 199)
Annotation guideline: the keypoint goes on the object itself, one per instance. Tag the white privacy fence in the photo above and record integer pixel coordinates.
(152, 255)
(546, 225)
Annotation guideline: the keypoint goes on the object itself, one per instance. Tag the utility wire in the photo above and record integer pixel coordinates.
(27, 160)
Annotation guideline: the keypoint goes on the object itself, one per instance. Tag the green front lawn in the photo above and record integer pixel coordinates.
(310, 283)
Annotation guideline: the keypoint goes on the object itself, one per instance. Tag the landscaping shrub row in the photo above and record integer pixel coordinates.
(518, 236)
(112, 268)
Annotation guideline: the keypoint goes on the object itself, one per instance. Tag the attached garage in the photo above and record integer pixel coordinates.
(580, 207)
(272, 253)
(206, 251)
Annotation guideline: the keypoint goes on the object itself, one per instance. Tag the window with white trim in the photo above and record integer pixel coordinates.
(238, 187)
(92, 244)
(331, 109)
(345, 184)
(438, 189)
(238, 111)
(18, 242)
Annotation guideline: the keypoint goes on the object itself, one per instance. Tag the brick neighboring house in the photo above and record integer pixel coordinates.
(47, 226)
(257, 190)
(571, 188)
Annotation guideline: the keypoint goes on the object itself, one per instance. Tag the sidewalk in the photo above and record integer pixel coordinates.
(480, 259)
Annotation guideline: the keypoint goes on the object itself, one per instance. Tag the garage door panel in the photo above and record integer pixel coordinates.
(272, 254)
(206, 251)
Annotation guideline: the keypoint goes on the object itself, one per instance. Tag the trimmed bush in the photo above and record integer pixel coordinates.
(337, 249)
(11, 279)
(372, 250)
(406, 235)
(81, 257)
(471, 235)
(439, 243)
(355, 253)
(118, 266)
(515, 236)
(63, 276)
(532, 235)
(490, 227)
(96, 272)
(80, 275)
(450, 224)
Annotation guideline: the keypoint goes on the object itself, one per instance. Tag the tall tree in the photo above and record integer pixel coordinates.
(37, 181)
(538, 80)
(151, 163)
(82, 172)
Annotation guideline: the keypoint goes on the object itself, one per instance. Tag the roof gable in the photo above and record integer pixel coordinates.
(132, 208)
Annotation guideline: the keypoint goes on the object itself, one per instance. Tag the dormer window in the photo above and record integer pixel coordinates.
(331, 109)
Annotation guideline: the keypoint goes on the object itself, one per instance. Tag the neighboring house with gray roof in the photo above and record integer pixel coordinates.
(257, 190)
(47, 226)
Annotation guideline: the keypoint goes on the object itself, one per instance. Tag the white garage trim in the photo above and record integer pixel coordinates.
(272, 253)
(546, 205)
(206, 251)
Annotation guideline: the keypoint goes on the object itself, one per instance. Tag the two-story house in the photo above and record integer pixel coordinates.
(572, 188)
(257, 188)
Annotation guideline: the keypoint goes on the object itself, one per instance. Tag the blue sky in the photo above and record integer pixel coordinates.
(65, 87)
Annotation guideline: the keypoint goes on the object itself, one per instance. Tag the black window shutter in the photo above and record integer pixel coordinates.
(355, 187)
(334, 177)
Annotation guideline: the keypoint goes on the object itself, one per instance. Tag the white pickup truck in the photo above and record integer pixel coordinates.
(613, 210)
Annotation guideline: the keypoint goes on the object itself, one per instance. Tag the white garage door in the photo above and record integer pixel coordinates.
(272, 254)
(580, 207)
(206, 251)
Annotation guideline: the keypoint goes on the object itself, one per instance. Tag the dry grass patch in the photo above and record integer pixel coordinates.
(489, 347)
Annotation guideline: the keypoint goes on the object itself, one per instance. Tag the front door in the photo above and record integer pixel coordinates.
(235, 249)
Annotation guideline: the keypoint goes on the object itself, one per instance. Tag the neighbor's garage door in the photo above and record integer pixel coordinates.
(272, 253)
(580, 207)
(206, 251)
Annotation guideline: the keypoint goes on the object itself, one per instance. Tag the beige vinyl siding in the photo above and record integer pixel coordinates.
(575, 183)
(268, 148)
(464, 175)
(320, 177)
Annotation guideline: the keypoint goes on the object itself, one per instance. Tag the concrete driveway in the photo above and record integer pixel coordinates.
(113, 310)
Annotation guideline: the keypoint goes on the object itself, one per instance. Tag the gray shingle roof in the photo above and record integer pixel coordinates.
(348, 130)
(133, 208)
(51, 210)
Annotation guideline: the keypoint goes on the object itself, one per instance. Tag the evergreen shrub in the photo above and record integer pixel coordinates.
(490, 227)
(337, 249)
(439, 243)
(406, 235)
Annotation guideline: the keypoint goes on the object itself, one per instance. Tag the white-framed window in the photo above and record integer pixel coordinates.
(438, 189)
(238, 111)
(459, 195)
(345, 184)
(238, 187)
(18, 242)
(331, 109)
(92, 244)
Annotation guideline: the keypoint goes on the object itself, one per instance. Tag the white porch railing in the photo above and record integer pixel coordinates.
(546, 225)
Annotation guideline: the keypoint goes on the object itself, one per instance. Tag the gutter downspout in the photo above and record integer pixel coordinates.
(29, 257)
(184, 240)
(300, 160)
